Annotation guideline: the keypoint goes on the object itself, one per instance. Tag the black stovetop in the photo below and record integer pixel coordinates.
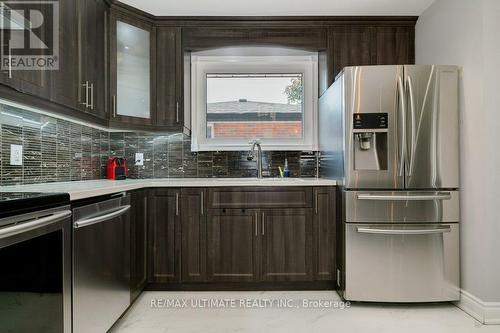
(16, 203)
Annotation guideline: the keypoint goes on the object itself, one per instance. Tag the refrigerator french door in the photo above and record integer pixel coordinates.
(400, 179)
(401, 127)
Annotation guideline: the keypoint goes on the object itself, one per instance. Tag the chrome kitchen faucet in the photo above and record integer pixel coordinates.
(250, 157)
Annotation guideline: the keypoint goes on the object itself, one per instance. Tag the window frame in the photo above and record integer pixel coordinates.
(201, 65)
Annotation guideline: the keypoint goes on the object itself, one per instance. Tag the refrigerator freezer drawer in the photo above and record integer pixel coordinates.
(402, 263)
(402, 206)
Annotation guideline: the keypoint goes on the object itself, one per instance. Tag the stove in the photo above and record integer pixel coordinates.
(16, 203)
(35, 252)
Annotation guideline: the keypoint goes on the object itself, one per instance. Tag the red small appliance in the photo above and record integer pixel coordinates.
(117, 168)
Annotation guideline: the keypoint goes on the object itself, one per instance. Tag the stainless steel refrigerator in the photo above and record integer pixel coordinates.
(390, 136)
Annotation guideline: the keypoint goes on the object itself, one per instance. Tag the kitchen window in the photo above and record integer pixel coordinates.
(272, 98)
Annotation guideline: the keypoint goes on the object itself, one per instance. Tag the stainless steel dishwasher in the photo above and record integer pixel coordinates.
(101, 262)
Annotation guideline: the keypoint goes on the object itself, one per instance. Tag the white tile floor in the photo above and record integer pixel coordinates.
(358, 318)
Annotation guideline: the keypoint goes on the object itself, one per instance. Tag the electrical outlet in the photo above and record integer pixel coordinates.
(16, 155)
(139, 159)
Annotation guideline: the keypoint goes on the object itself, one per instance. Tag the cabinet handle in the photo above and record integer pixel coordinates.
(92, 96)
(177, 112)
(145, 236)
(176, 204)
(316, 203)
(256, 224)
(263, 223)
(201, 202)
(10, 62)
(114, 106)
(86, 86)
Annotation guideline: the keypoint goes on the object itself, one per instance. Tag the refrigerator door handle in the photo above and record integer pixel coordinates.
(382, 231)
(405, 197)
(413, 134)
(402, 113)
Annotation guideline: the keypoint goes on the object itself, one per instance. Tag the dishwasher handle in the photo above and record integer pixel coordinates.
(101, 218)
(33, 224)
(382, 231)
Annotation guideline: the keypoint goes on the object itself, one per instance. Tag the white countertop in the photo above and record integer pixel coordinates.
(92, 188)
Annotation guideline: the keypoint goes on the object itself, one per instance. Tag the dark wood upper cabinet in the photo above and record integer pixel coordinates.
(393, 45)
(31, 82)
(349, 46)
(138, 242)
(27, 82)
(194, 235)
(93, 59)
(324, 217)
(60, 91)
(233, 245)
(195, 39)
(287, 245)
(312, 39)
(132, 69)
(82, 58)
(169, 104)
(358, 45)
(202, 38)
(150, 65)
(163, 236)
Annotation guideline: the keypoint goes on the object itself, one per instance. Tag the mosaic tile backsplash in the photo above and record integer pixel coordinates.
(60, 150)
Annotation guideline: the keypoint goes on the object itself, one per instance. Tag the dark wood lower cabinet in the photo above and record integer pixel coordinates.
(324, 233)
(287, 247)
(192, 244)
(164, 236)
(233, 245)
(138, 242)
(194, 235)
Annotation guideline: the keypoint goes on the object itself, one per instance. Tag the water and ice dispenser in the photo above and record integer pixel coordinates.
(370, 141)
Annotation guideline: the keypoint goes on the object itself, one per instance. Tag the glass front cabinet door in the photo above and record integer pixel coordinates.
(132, 70)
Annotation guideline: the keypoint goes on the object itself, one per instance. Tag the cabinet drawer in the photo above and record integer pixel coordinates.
(260, 197)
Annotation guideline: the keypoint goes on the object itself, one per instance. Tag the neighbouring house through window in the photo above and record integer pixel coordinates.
(264, 106)
(270, 97)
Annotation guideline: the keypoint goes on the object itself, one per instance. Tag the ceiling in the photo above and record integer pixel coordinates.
(280, 7)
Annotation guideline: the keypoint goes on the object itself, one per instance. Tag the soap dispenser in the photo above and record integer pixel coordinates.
(286, 172)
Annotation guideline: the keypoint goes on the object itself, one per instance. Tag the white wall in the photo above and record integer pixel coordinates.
(467, 33)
